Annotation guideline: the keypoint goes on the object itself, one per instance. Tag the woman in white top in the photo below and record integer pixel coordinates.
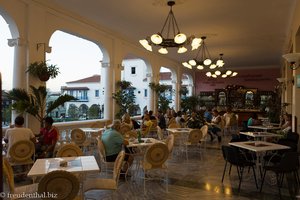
(215, 125)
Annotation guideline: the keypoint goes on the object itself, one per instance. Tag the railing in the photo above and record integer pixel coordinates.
(65, 128)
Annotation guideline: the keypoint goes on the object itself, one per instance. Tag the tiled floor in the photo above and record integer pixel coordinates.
(197, 179)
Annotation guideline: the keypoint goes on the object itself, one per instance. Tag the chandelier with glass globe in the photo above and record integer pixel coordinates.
(170, 36)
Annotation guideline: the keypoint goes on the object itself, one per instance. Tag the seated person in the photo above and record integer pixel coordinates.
(146, 125)
(47, 139)
(208, 115)
(18, 133)
(287, 126)
(253, 120)
(215, 125)
(127, 120)
(179, 120)
(113, 142)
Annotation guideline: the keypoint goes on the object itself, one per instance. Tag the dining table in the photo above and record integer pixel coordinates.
(264, 128)
(81, 165)
(260, 135)
(259, 148)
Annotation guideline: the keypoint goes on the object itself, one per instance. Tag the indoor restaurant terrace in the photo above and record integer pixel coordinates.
(165, 99)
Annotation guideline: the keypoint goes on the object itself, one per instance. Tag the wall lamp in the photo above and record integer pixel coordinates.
(293, 59)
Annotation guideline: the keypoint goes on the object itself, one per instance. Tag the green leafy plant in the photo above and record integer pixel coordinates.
(189, 103)
(163, 102)
(42, 70)
(34, 103)
(125, 98)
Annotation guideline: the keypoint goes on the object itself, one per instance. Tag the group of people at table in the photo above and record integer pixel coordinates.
(112, 138)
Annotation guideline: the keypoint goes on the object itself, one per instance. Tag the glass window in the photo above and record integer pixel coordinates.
(132, 70)
(96, 93)
(145, 93)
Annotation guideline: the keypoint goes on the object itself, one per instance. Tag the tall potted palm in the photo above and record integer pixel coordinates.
(34, 102)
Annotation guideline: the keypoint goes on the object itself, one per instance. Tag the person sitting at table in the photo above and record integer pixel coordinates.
(215, 125)
(127, 120)
(287, 126)
(47, 139)
(113, 141)
(161, 120)
(146, 125)
(179, 120)
(253, 120)
(18, 133)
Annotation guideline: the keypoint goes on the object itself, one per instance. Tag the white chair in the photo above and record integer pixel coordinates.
(106, 183)
(124, 129)
(170, 144)
(204, 138)
(63, 184)
(193, 142)
(78, 137)
(159, 133)
(69, 150)
(9, 176)
(105, 166)
(230, 124)
(21, 154)
(154, 160)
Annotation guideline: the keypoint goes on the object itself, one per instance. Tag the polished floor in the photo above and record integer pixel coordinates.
(198, 178)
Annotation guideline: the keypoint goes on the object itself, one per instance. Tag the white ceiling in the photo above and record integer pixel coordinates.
(249, 33)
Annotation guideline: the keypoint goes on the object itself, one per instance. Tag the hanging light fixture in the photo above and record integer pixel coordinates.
(220, 71)
(202, 58)
(164, 40)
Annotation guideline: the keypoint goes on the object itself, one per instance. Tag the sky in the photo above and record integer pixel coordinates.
(76, 58)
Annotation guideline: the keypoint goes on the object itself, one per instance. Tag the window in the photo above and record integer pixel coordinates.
(96, 93)
(132, 70)
(145, 93)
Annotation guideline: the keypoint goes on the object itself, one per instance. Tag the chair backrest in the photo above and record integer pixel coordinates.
(195, 136)
(159, 133)
(204, 130)
(62, 183)
(170, 143)
(224, 152)
(156, 155)
(289, 162)
(231, 119)
(101, 150)
(233, 155)
(21, 151)
(78, 136)
(124, 128)
(173, 125)
(118, 165)
(69, 150)
(8, 174)
(132, 134)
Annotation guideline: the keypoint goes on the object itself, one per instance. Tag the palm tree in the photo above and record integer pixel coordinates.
(34, 103)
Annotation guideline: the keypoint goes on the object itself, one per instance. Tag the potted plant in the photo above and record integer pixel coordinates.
(42, 70)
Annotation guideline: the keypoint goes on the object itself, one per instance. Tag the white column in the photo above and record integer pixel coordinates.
(151, 93)
(19, 70)
(107, 77)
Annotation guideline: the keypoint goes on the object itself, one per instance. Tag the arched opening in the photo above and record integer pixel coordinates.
(79, 64)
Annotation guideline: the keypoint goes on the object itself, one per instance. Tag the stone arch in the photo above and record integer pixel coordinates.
(11, 23)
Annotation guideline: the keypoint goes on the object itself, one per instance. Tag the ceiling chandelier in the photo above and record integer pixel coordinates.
(220, 71)
(170, 36)
(202, 58)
